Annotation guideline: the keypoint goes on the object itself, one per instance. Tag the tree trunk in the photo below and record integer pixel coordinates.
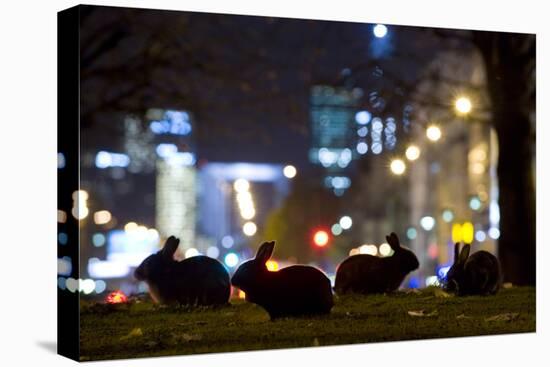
(509, 62)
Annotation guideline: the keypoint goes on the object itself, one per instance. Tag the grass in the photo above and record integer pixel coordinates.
(142, 329)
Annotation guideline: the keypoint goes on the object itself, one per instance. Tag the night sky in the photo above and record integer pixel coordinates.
(245, 79)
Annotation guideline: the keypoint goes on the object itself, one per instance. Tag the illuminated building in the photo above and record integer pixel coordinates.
(235, 198)
(175, 200)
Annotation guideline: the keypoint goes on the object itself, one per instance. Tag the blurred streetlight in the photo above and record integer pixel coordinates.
(433, 133)
(463, 105)
(398, 167)
(241, 185)
(380, 30)
(249, 229)
(345, 222)
(320, 238)
(289, 171)
(412, 153)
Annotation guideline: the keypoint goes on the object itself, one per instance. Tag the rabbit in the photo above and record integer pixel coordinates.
(199, 280)
(297, 290)
(478, 274)
(368, 274)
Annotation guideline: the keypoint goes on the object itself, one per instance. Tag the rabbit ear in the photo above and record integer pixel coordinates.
(170, 246)
(393, 241)
(265, 251)
(457, 251)
(464, 253)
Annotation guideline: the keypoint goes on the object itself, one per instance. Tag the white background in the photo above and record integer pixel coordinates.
(28, 182)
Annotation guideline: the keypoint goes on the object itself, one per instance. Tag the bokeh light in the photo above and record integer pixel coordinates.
(463, 105)
(289, 171)
(380, 30)
(398, 167)
(346, 222)
(412, 153)
(249, 229)
(433, 133)
(320, 238)
(231, 259)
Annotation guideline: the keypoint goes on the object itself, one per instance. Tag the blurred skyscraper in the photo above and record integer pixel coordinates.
(333, 112)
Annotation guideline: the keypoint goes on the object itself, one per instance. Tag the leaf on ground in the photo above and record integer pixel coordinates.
(507, 285)
(136, 332)
(422, 313)
(503, 317)
(462, 316)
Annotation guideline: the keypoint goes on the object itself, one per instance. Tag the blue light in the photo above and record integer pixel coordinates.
(60, 160)
(362, 147)
(442, 271)
(231, 259)
(475, 203)
(411, 233)
(105, 159)
(227, 241)
(181, 159)
(363, 117)
(98, 239)
(414, 282)
(480, 236)
(362, 131)
(166, 150)
(380, 30)
(376, 147)
(62, 238)
(174, 122)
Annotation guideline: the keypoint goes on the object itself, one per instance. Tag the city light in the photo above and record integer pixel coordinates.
(100, 286)
(411, 233)
(320, 238)
(475, 203)
(289, 171)
(166, 150)
(190, 252)
(131, 226)
(368, 250)
(60, 160)
(61, 216)
(433, 133)
(336, 229)
(249, 229)
(102, 217)
(494, 233)
(62, 238)
(231, 259)
(412, 153)
(98, 239)
(116, 297)
(345, 222)
(380, 30)
(362, 147)
(480, 236)
(241, 185)
(463, 105)
(385, 249)
(213, 252)
(427, 223)
(398, 167)
(80, 204)
(468, 232)
(272, 265)
(456, 232)
(106, 159)
(362, 117)
(447, 216)
(227, 241)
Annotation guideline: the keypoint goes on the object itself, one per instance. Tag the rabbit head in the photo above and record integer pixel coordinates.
(455, 275)
(407, 259)
(250, 274)
(152, 267)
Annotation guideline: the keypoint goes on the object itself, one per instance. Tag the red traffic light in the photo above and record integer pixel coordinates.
(320, 238)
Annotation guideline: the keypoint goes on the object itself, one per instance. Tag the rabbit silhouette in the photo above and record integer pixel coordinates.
(198, 280)
(371, 274)
(297, 290)
(478, 274)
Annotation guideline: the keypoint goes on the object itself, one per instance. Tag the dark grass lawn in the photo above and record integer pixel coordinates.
(141, 329)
